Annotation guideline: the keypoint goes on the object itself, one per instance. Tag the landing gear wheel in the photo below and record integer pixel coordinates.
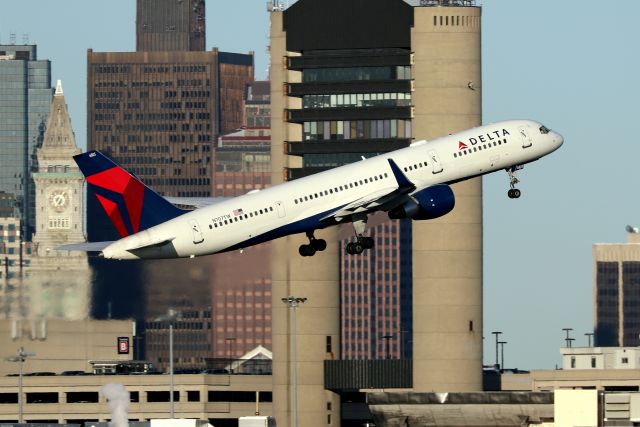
(367, 242)
(319, 244)
(314, 245)
(513, 193)
(306, 250)
(354, 248)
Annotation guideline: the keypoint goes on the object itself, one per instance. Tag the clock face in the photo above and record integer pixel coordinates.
(59, 199)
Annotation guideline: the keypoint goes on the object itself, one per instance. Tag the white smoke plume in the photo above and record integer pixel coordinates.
(119, 403)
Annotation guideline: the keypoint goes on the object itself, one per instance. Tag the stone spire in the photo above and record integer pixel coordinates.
(59, 138)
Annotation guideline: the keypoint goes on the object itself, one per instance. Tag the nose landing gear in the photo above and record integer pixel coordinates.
(513, 192)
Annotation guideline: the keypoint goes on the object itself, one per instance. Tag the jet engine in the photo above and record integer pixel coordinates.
(430, 203)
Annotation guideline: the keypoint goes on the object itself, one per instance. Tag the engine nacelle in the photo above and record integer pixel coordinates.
(430, 203)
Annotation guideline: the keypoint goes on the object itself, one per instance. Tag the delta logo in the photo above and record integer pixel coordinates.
(481, 139)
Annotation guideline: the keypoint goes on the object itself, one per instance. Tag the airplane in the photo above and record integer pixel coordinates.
(412, 182)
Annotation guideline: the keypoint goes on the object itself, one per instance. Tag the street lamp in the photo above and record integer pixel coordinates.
(568, 339)
(230, 340)
(20, 358)
(502, 343)
(171, 317)
(589, 335)
(497, 334)
(293, 303)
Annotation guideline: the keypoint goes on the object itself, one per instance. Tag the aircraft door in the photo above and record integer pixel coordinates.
(196, 232)
(526, 138)
(280, 209)
(435, 162)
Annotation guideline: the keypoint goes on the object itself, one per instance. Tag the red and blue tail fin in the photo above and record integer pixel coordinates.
(130, 205)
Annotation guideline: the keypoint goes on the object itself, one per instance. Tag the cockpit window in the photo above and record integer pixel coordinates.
(544, 130)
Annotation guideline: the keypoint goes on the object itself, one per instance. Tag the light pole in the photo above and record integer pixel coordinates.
(497, 334)
(171, 317)
(502, 343)
(589, 335)
(568, 339)
(20, 358)
(230, 340)
(293, 303)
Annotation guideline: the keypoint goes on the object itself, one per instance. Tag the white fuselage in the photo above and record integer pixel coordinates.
(298, 206)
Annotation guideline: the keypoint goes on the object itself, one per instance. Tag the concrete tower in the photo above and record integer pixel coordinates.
(447, 252)
(354, 78)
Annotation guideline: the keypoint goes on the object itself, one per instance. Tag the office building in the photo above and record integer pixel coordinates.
(25, 98)
(237, 285)
(164, 25)
(343, 88)
(616, 272)
(158, 112)
(376, 293)
(241, 281)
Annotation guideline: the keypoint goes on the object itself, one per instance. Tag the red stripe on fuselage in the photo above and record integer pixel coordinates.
(118, 180)
(114, 215)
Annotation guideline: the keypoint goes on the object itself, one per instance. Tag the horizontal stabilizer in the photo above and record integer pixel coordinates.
(148, 243)
(84, 247)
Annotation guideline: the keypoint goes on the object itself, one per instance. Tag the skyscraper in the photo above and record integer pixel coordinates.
(25, 99)
(164, 25)
(158, 112)
(616, 273)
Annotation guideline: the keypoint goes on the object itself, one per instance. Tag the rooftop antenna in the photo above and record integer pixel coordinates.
(632, 229)
(12, 38)
(25, 38)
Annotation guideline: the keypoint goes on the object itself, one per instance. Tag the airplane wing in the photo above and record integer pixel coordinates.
(193, 203)
(384, 199)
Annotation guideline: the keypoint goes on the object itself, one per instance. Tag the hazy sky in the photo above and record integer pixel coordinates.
(574, 65)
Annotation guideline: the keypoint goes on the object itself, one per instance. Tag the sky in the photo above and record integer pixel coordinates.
(573, 65)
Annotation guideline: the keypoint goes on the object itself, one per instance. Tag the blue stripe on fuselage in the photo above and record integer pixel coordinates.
(311, 223)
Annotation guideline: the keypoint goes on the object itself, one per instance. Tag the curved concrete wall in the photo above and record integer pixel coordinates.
(447, 253)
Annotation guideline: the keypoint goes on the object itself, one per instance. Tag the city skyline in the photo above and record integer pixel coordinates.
(539, 61)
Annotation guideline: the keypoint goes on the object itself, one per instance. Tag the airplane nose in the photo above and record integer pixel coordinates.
(557, 139)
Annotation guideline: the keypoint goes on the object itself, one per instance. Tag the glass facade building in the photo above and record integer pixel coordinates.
(25, 100)
(617, 293)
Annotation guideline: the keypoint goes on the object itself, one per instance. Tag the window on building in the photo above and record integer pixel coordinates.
(573, 362)
(593, 362)
(625, 360)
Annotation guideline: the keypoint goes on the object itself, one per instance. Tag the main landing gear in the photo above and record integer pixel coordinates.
(362, 242)
(513, 192)
(314, 245)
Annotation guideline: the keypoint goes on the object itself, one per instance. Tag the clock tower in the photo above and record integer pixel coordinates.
(60, 280)
(58, 183)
